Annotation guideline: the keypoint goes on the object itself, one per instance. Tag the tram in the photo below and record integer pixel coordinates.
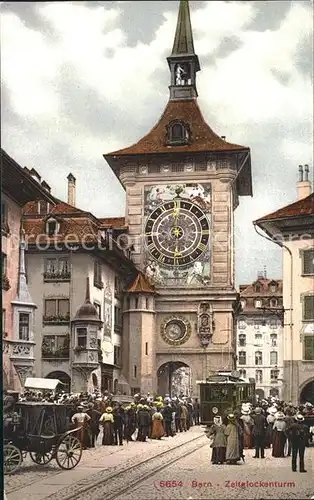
(223, 392)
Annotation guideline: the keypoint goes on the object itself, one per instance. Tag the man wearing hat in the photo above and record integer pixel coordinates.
(299, 436)
(259, 433)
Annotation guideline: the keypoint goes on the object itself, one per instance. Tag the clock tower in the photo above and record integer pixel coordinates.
(183, 183)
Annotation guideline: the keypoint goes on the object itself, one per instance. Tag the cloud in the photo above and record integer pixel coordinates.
(76, 87)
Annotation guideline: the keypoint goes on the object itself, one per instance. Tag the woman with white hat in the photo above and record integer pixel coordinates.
(247, 426)
(279, 435)
(233, 441)
(217, 433)
(270, 422)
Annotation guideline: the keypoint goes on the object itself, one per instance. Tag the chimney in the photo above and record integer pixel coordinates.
(304, 187)
(71, 190)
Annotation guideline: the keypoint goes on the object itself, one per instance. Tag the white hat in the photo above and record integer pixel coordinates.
(299, 417)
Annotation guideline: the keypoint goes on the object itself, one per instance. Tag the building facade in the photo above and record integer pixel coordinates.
(260, 335)
(65, 247)
(183, 183)
(292, 227)
(19, 186)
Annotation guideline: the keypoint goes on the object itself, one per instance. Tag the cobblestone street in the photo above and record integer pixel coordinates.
(169, 476)
(195, 478)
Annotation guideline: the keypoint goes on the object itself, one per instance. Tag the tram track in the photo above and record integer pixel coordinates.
(115, 485)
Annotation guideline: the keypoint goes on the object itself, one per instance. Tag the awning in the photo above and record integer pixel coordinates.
(41, 383)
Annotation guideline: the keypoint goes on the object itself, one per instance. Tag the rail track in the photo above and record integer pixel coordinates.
(112, 486)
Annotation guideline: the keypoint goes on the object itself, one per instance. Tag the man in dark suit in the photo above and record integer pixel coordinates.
(299, 437)
(259, 433)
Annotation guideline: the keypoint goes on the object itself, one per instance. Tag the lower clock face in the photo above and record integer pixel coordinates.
(177, 233)
(175, 331)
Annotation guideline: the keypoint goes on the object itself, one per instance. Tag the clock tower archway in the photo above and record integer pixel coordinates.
(183, 183)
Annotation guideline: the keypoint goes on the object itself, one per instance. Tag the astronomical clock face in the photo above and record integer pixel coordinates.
(177, 234)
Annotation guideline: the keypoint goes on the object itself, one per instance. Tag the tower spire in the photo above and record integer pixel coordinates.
(23, 295)
(183, 40)
(183, 62)
(87, 292)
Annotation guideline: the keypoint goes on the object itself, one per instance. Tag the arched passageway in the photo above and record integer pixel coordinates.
(64, 379)
(174, 378)
(307, 393)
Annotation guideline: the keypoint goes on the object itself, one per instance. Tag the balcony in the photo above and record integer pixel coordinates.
(57, 276)
(52, 354)
(5, 283)
(57, 319)
(20, 350)
(86, 358)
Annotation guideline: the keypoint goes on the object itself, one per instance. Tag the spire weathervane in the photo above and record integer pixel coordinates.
(183, 62)
(183, 40)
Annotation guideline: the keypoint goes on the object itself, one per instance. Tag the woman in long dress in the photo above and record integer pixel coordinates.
(270, 422)
(157, 424)
(247, 428)
(279, 436)
(217, 432)
(107, 422)
(233, 442)
(80, 420)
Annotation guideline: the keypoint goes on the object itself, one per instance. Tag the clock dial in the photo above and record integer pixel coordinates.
(175, 330)
(177, 233)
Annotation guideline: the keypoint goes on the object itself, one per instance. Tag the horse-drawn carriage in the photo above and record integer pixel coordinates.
(44, 431)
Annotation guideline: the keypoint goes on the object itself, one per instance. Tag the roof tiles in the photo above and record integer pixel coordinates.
(140, 285)
(203, 138)
(299, 208)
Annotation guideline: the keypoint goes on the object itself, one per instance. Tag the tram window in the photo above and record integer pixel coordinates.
(219, 394)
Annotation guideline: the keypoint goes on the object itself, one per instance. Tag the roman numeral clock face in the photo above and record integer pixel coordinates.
(177, 233)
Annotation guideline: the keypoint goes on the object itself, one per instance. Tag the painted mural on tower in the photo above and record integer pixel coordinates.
(177, 230)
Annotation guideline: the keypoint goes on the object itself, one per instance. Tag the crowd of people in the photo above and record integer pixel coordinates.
(270, 424)
(144, 418)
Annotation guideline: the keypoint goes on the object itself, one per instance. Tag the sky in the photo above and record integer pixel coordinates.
(80, 79)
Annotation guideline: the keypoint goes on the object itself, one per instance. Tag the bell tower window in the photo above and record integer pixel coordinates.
(178, 133)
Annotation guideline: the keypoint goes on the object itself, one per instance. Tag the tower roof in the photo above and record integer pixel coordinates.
(87, 311)
(140, 285)
(203, 138)
(23, 296)
(183, 40)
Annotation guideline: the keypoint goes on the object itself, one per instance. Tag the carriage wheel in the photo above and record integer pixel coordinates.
(41, 459)
(12, 459)
(69, 452)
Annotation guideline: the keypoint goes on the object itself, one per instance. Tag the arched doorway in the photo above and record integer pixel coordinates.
(260, 393)
(307, 393)
(95, 381)
(115, 386)
(274, 392)
(64, 379)
(174, 378)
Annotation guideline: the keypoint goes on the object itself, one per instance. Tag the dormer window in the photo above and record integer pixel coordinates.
(52, 227)
(178, 133)
(273, 303)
